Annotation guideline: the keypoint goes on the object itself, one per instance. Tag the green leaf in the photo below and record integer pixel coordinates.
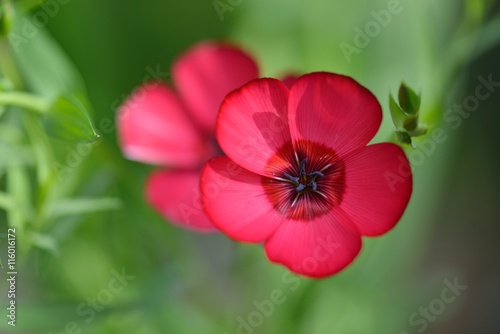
(397, 114)
(408, 99)
(421, 130)
(43, 64)
(410, 123)
(403, 137)
(68, 119)
(78, 206)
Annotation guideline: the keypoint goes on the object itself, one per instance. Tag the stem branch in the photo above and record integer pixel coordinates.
(24, 100)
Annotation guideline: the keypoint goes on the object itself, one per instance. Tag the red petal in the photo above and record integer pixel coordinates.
(235, 201)
(205, 74)
(334, 110)
(176, 195)
(252, 123)
(316, 248)
(154, 128)
(378, 187)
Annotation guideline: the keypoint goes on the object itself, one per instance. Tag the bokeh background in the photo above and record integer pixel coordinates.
(75, 232)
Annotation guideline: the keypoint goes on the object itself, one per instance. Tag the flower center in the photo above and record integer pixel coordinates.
(306, 180)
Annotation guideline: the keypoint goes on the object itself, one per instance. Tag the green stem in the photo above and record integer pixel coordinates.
(24, 100)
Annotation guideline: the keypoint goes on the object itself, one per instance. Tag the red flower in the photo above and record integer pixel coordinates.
(309, 187)
(176, 129)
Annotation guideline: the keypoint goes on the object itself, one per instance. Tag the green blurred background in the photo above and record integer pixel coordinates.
(82, 229)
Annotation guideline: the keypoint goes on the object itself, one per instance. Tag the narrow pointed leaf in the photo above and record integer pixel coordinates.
(421, 130)
(403, 137)
(397, 114)
(410, 123)
(408, 99)
(68, 119)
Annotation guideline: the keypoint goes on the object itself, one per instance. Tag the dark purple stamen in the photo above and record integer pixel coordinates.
(304, 182)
